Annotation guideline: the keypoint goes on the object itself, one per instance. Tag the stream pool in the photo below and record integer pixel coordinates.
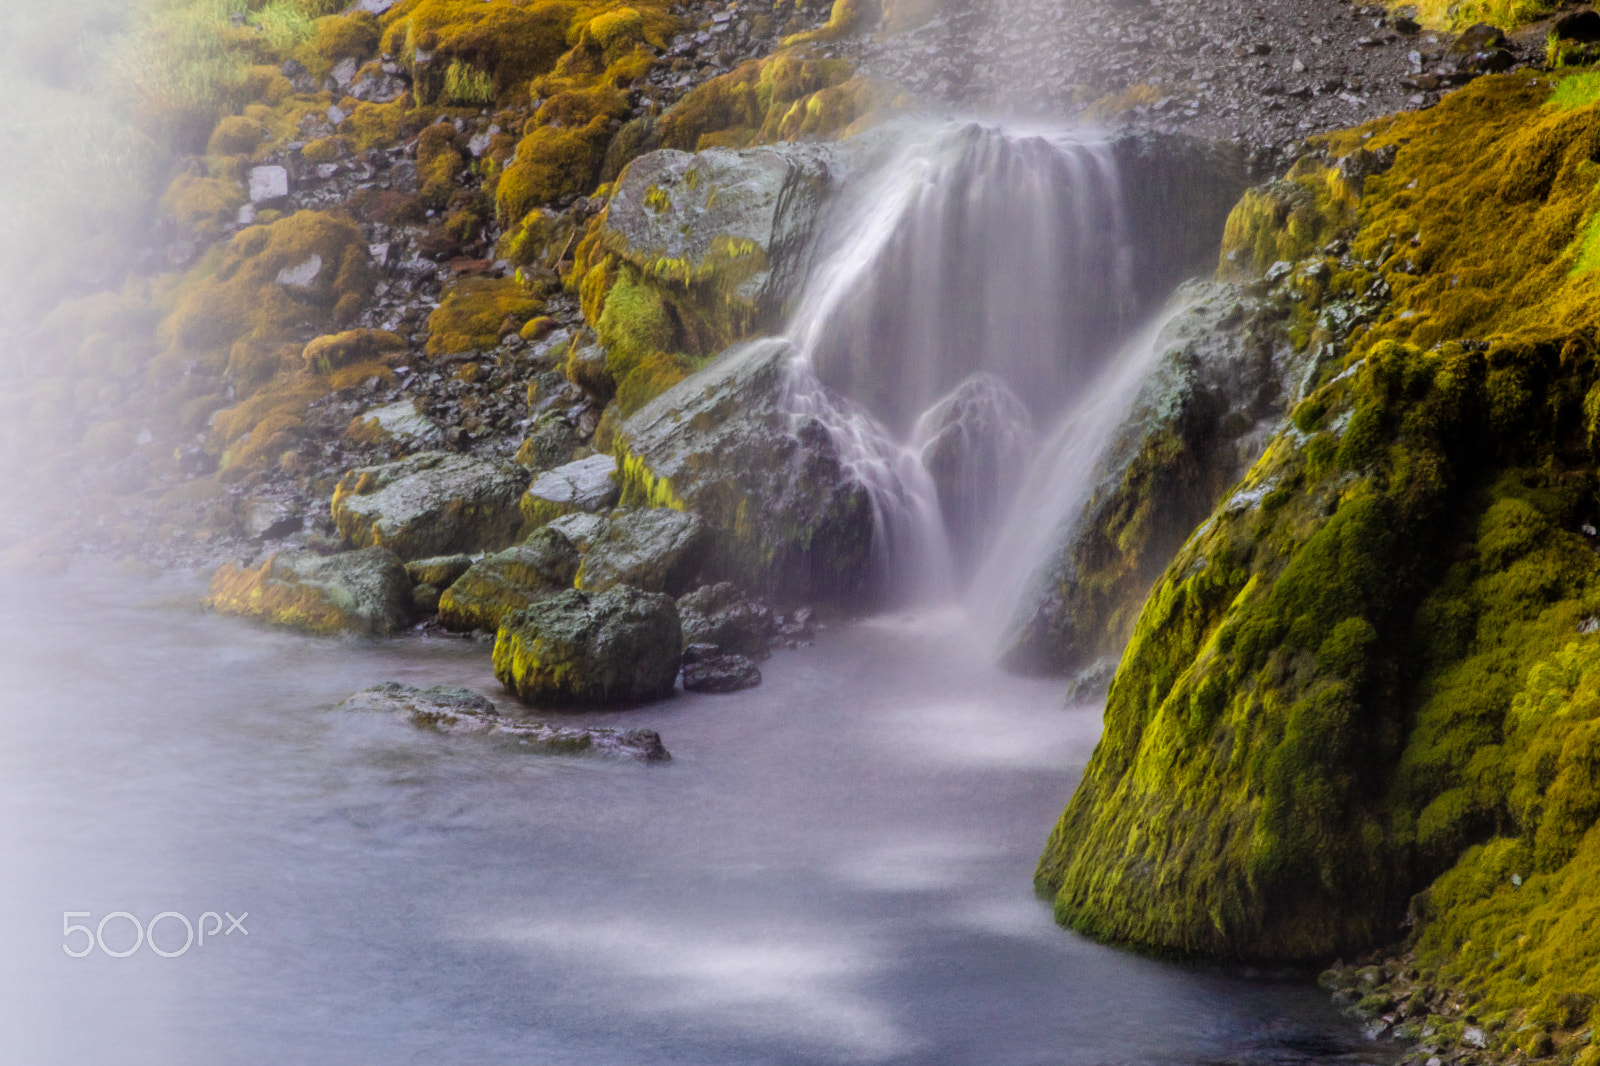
(834, 867)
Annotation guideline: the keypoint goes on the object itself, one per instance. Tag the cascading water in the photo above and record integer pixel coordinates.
(978, 284)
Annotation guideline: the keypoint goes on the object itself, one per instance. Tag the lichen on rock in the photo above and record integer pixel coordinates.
(365, 592)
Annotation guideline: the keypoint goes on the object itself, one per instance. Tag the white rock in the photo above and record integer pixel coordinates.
(302, 275)
(344, 72)
(268, 183)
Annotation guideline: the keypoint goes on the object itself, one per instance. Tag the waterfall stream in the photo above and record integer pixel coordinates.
(970, 338)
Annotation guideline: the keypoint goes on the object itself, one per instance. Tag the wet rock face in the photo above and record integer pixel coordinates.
(364, 592)
(745, 217)
(976, 444)
(722, 617)
(655, 549)
(1222, 387)
(433, 503)
(510, 580)
(462, 712)
(1177, 192)
(782, 515)
(587, 486)
(620, 646)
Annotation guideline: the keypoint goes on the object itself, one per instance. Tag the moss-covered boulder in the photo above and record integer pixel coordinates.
(509, 580)
(1224, 380)
(653, 548)
(585, 486)
(741, 220)
(619, 646)
(1365, 676)
(358, 592)
(432, 503)
(782, 514)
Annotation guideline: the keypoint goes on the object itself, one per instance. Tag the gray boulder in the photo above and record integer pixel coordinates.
(506, 581)
(583, 530)
(588, 485)
(353, 592)
(783, 517)
(722, 617)
(620, 646)
(550, 445)
(653, 549)
(745, 217)
(432, 503)
(462, 712)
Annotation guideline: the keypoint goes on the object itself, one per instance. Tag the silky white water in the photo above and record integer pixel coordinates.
(971, 338)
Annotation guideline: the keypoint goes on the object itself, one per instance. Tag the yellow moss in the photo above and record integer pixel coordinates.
(510, 42)
(477, 312)
(237, 293)
(375, 125)
(204, 206)
(338, 350)
(551, 163)
(323, 150)
(439, 160)
(235, 135)
(353, 36)
(786, 96)
(846, 17)
(466, 85)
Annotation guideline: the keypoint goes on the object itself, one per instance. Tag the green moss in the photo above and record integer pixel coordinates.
(782, 97)
(1366, 683)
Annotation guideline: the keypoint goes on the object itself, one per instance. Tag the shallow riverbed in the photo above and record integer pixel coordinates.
(834, 867)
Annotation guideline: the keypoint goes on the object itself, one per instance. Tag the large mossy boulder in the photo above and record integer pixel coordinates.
(782, 514)
(363, 591)
(653, 548)
(432, 503)
(617, 647)
(1222, 384)
(1363, 695)
(582, 487)
(506, 581)
(739, 219)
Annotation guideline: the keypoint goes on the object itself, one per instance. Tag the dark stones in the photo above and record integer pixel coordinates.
(721, 617)
(705, 670)
(462, 712)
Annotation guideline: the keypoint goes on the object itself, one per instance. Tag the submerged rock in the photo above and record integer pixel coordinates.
(707, 670)
(654, 549)
(459, 711)
(588, 485)
(781, 513)
(619, 646)
(432, 503)
(360, 592)
(723, 617)
(507, 581)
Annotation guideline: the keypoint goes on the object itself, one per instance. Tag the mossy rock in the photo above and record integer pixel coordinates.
(363, 592)
(617, 647)
(433, 503)
(782, 515)
(509, 580)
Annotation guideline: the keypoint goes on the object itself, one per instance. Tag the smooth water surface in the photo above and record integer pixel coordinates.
(835, 867)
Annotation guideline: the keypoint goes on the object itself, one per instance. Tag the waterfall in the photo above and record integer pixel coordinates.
(975, 286)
